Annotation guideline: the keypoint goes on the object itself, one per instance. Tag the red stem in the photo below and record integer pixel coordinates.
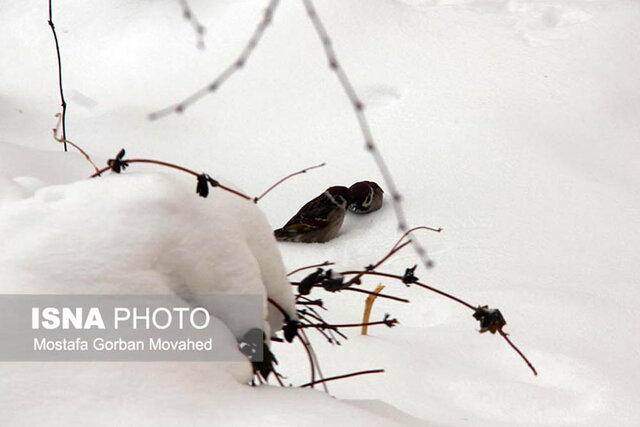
(394, 276)
(280, 181)
(505, 336)
(372, 371)
(421, 227)
(180, 168)
(349, 325)
(297, 270)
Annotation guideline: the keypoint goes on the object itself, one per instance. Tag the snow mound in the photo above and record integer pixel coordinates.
(138, 233)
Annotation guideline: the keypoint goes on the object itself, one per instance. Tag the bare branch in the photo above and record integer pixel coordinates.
(63, 102)
(324, 264)
(506, 337)
(61, 140)
(257, 199)
(228, 72)
(372, 371)
(370, 145)
(211, 181)
(199, 29)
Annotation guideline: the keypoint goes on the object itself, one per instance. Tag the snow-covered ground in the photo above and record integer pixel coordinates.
(512, 124)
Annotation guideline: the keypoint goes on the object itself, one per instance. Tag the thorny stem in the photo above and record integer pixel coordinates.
(506, 337)
(180, 168)
(62, 100)
(228, 72)
(370, 145)
(257, 199)
(371, 371)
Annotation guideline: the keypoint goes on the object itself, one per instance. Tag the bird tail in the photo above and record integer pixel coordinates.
(283, 235)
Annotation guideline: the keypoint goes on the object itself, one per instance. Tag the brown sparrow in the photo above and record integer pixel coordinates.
(366, 197)
(319, 220)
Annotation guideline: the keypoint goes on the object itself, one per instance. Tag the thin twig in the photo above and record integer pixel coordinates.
(505, 336)
(62, 140)
(444, 294)
(324, 264)
(199, 29)
(257, 199)
(307, 324)
(326, 336)
(180, 168)
(316, 362)
(420, 227)
(364, 291)
(422, 285)
(371, 371)
(228, 72)
(389, 323)
(312, 367)
(63, 102)
(372, 267)
(370, 144)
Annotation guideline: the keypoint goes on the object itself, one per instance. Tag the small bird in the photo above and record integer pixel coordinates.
(319, 220)
(366, 197)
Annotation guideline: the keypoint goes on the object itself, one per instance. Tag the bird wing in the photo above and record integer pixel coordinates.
(313, 215)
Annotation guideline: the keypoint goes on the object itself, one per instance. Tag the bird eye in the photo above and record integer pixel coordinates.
(368, 200)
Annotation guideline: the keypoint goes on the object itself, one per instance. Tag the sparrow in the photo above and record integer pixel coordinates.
(319, 220)
(366, 197)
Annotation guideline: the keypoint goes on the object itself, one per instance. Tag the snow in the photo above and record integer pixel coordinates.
(140, 233)
(512, 124)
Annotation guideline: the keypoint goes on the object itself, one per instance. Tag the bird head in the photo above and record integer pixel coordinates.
(339, 196)
(362, 194)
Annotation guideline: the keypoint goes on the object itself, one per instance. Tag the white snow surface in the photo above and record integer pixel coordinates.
(512, 124)
(140, 233)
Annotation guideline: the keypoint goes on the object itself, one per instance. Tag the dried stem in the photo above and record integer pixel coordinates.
(199, 29)
(308, 267)
(387, 322)
(422, 285)
(364, 291)
(439, 292)
(257, 199)
(228, 72)
(62, 140)
(312, 367)
(372, 267)
(371, 371)
(420, 227)
(506, 337)
(180, 168)
(315, 361)
(370, 144)
(62, 100)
